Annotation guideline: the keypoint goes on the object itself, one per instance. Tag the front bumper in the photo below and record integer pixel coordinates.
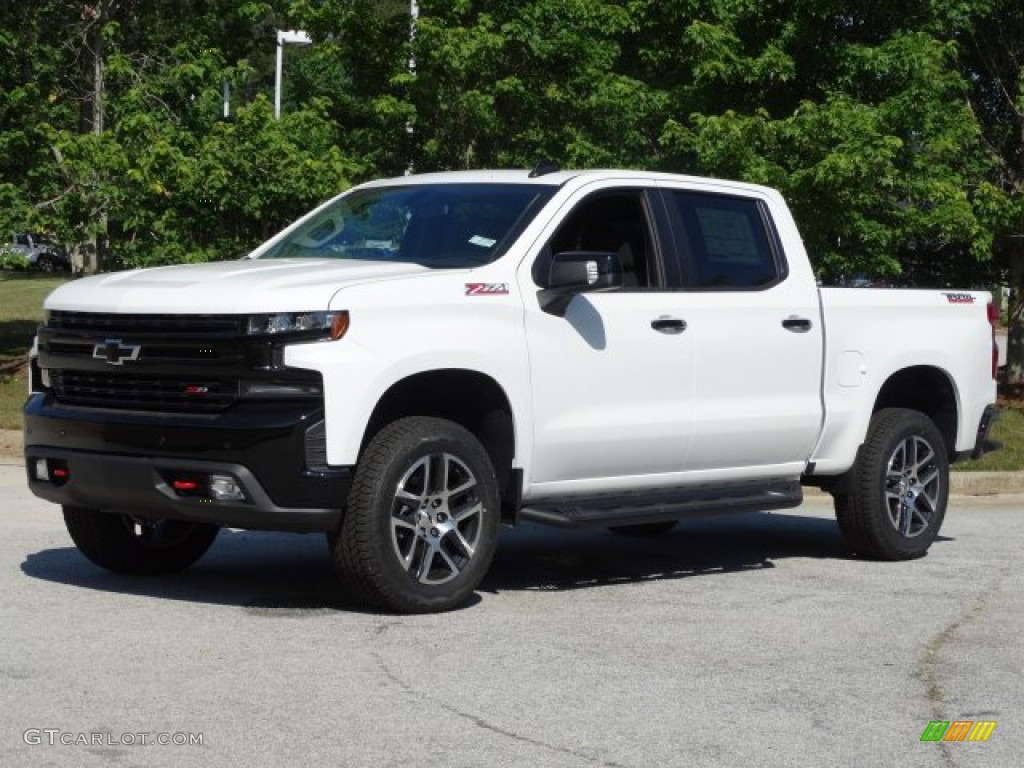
(136, 462)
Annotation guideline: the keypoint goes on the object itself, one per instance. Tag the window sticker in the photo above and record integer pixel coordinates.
(728, 237)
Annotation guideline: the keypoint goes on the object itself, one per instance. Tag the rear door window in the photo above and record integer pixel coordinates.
(726, 243)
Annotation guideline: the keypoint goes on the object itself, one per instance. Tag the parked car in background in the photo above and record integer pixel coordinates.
(40, 252)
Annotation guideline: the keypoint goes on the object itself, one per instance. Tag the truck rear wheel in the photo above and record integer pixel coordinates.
(421, 523)
(124, 544)
(898, 489)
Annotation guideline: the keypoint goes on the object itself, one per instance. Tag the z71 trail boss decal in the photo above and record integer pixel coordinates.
(959, 298)
(486, 289)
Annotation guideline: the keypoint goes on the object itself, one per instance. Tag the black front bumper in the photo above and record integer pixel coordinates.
(129, 462)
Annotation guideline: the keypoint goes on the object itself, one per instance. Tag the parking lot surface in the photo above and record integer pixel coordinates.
(747, 640)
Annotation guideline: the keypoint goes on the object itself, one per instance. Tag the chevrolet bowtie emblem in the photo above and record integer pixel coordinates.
(115, 352)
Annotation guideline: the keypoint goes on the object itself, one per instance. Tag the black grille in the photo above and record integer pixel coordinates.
(185, 350)
(159, 393)
(169, 363)
(110, 323)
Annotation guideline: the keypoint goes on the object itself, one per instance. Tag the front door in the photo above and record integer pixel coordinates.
(612, 380)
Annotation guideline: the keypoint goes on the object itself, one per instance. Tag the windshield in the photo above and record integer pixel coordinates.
(436, 225)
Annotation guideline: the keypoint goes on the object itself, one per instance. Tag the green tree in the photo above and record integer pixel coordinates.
(359, 61)
(858, 114)
(111, 125)
(893, 129)
(992, 61)
(506, 83)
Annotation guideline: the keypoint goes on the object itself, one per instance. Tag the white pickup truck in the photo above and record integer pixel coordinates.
(424, 358)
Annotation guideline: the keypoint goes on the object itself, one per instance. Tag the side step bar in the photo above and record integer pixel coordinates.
(662, 505)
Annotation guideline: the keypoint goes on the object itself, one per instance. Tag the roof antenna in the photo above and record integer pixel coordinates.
(543, 168)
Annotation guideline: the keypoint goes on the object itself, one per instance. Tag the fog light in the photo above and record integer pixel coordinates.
(226, 488)
(49, 471)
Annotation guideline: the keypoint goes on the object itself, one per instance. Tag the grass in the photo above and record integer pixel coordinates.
(21, 310)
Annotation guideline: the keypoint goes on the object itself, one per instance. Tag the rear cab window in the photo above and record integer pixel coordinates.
(724, 242)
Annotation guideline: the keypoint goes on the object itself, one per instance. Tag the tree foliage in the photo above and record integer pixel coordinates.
(148, 166)
(992, 60)
(896, 130)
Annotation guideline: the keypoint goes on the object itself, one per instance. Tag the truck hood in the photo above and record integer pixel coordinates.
(225, 287)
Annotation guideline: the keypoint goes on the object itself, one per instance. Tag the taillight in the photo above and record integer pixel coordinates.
(993, 320)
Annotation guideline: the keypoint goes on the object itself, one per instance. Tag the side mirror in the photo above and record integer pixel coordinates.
(573, 272)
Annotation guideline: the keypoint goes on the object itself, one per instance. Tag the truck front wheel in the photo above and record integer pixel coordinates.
(125, 544)
(897, 494)
(421, 523)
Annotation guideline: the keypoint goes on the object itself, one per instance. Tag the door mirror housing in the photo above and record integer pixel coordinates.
(573, 272)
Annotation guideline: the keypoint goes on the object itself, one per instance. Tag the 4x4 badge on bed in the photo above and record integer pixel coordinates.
(115, 352)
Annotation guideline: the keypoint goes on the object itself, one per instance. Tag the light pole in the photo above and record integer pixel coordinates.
(296, 36)
(414, 15)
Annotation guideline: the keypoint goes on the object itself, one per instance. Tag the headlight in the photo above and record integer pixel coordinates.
(330, 325)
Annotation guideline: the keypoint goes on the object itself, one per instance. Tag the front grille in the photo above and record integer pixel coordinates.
(112, 323)
(151, 393)
(182, 351)
(170, 363)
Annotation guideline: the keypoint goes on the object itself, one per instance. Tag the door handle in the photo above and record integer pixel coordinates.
(797, 324)
(668, 325)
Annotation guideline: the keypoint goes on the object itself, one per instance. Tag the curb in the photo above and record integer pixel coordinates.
(986, 483)
(967, 484)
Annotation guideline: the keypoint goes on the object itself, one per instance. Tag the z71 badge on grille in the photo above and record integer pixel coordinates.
(115, 352)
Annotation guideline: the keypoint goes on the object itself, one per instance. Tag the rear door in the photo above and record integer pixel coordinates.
(754, 321)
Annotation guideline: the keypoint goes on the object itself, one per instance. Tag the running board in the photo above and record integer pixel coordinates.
(662, 505)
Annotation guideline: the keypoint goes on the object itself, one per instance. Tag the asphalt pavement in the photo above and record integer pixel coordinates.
(747, 640)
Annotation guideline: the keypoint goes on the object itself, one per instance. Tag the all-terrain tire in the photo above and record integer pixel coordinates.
(124, 544)
(421, 524)
(898, 489)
